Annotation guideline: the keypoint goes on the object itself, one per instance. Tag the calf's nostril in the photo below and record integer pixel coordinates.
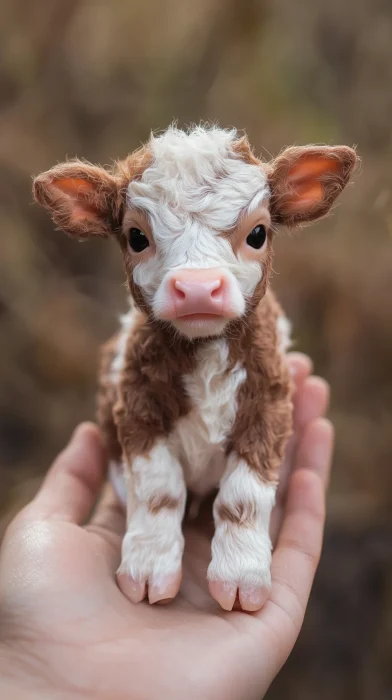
(180, 294)
(217, 289)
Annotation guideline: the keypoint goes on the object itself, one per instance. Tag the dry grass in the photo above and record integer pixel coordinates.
(91, 79)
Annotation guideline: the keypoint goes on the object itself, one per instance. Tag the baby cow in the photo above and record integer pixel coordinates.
(194, 390)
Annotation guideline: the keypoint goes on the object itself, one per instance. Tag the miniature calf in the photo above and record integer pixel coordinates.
(194, 390)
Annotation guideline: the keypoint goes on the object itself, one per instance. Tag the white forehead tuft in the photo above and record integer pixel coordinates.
(196, 176)
(200, 152)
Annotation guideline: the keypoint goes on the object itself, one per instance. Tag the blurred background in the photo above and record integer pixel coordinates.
(92, 79)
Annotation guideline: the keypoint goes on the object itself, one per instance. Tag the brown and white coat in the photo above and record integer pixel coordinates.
(194, 390)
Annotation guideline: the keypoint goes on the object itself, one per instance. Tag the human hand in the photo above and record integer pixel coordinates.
(66, 630)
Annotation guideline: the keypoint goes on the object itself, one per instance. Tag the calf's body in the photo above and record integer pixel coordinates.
(194, 389)
(198, 416)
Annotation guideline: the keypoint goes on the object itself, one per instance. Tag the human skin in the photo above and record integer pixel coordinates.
(67, 631)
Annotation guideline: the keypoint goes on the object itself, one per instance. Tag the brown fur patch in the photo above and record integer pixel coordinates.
(157, 503)
(329, 172)
(137, 295)
(243, 150)
(133, 166)
(239, 514)
(106, 399)
(264, 415)
(151, 396)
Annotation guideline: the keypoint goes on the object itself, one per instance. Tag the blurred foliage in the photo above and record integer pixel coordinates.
(92, 79)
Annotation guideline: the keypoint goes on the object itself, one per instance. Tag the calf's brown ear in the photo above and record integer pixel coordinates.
(305, 181)
(82, 198)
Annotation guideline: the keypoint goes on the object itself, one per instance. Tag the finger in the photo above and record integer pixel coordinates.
(297, 554)
(109, 515)
(73, 482)
(300, 366)
(310, 402)
(316, 448)
(301, 449)
(108, 522)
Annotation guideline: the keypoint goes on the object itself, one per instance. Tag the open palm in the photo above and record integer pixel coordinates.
(67, 631)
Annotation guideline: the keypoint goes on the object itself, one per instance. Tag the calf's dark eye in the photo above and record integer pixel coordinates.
(257, 237)
(137, 240)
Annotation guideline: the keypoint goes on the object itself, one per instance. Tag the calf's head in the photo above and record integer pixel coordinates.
(194, 214)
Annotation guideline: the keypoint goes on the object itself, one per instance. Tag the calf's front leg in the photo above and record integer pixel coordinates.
(153, 543)
(241, 546)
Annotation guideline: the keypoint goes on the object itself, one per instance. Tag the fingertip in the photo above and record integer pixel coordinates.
(86, 441)
(86, 430)
(320, 432)
(304, 482)
(306, 499)
(316, 448)
(312, 400)
(300, 365)
(88, 437)
(325, 427)
(319, 385)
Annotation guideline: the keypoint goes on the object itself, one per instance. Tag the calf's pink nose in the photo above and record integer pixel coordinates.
(197, 292)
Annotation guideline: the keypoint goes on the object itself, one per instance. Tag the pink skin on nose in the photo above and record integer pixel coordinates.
(198, 293)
